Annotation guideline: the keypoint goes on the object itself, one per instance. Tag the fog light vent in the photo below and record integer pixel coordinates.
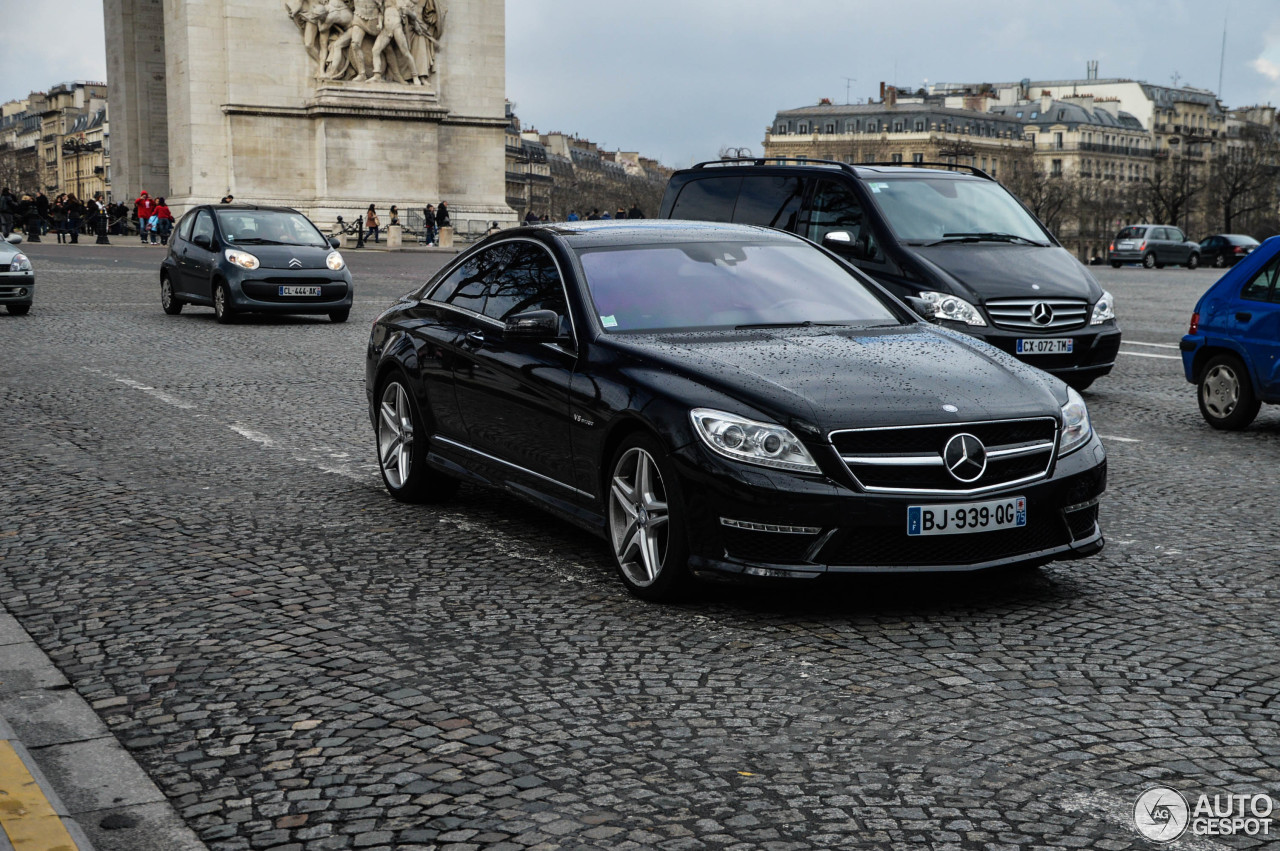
(769, 527)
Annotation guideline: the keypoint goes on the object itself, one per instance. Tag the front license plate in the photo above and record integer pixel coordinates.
(961, 518)
(1050, 346)
(299, 291)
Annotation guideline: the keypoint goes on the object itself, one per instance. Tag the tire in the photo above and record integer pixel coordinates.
(1226, 396)
(19, 309)
(1080, 383)
(646, 518)
(171, 303)
(401, 439)
(339, 315)
(1115, 264)
(1193, 261)
(222, 310)
(1149, 261)
(1219, 261)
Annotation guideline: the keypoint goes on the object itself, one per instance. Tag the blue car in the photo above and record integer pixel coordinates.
(1232, 350)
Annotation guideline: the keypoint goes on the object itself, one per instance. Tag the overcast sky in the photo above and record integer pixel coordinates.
(679, 79)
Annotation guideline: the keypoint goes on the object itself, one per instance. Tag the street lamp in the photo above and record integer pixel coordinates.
(75, 147)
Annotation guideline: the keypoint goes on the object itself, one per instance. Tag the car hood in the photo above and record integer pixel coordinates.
(847, 378)
(1001, 270)
(282, 256)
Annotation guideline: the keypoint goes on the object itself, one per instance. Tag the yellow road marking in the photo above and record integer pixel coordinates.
(25, 813)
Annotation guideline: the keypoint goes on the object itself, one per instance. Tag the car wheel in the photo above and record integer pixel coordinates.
(1219, 261)
(339, 315)
(1226, 397)
(222, 310)
(402, 448)
(1115, 264)
(1149, 261)
(171, 303)
(19, 309)
(1193, 261)
(646, 521)
(1082, 384)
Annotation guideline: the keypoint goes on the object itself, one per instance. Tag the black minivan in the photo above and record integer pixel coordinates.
(948, 234)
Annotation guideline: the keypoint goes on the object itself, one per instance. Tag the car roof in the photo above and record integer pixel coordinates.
(248, 207)
(860, 171)
(649, 231)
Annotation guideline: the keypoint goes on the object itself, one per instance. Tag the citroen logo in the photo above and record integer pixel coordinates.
(1042, 314)
(295, 263)
(965, 458)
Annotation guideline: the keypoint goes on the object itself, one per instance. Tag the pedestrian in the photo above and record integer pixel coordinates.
(573, 216)
(621, 214)
(164, 222)
(75, 215)
(8, 206)
(605, 217)
(31, 218)
(42, 208)
(530, 218)
(58, 214)
(395, 217)
(635, 212)
(442, 216)
(371, 223)
(144, 207)
(98, 210)
(228, 199)
(429, 224)
(493, 228)
(595, 215)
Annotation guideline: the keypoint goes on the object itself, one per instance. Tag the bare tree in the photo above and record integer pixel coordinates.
(1048, 196)
(1244, 181)
(1172, 189)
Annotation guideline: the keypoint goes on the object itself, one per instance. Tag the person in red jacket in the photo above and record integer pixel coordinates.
(164, 222)
(144, 207)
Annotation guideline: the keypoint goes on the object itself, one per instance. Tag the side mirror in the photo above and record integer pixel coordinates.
(534, 326)
(838, 239)
(14, 239)
(335, 242)
(923, 307)
(204, 241)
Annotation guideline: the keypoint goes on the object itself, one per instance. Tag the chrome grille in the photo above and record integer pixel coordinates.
(909, 459)
(1016, 313)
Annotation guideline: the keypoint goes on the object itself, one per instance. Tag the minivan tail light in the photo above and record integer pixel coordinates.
(1112, 247)
(1195, 323)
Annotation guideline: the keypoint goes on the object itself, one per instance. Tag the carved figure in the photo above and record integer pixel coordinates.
(317, 20)
(365, 40)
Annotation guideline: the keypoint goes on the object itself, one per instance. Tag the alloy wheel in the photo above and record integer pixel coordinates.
(395, 435)
(1221, 391)
(638, 517)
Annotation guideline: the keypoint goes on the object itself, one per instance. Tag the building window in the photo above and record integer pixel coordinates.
(831, 127)
(897, 127)
(849, 127)
(919, 126)
(917, 158)
(803, 128)
(897, 158)
(1057, 141)
(1056, 170)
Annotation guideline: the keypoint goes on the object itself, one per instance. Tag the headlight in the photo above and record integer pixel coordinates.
(335, 261)
(20, 263)
(1105, 309)
(242, 258)
(753, 442)
(1076, 428)
(947, 306)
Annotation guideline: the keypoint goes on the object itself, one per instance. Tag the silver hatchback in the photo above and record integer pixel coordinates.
(1154, 246)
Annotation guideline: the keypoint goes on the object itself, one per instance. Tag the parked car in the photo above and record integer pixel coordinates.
(726, 400)
(245, 259)
(1232, 350)
(1226, 249)
(1154, 246)
(950, 234)
(17, 278)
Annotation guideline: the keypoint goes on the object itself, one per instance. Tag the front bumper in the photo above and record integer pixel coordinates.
(257, 291)
(1093, 352)
(17, 287)
(787, 525)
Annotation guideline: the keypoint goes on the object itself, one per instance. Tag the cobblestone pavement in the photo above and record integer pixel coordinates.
(196, 534)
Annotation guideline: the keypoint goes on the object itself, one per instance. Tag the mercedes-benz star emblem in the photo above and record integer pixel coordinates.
(295, 263)
(1042, 314)
(965, 457)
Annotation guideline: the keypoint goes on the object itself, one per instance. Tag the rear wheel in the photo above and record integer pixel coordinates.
(646, 521)
(1149, 261)
(1115, 264)
(402, 434)
(1081, 383)
(1193, 261)
(171, 303)
(222, 310)
(1226, 396)
(1219, 261)
(19, 309)
(339, 315)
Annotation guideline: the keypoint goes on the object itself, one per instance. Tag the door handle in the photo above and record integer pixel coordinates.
(475, 338)
(1243, 317)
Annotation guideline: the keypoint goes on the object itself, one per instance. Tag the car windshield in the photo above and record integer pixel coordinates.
(705, 285)
(1132, 232)
(268, 227)
(925, 210)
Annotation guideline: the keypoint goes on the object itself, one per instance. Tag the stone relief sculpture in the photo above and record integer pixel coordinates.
(371, 40)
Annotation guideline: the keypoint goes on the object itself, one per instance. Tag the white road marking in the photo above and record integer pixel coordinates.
(1148, 355)
(1155, 345)
(250, 434)
(167, 398)
(1120, 439)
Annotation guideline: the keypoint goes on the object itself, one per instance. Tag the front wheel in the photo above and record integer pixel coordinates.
(1193, 261)
(1219, 261)
(1226, 396)
(171, 303)
(222, 310)
(1079, 383)
(1149, 261)
(646, 521)
(1115, 264)
(339, 315)
(402, 433)
(19, 309)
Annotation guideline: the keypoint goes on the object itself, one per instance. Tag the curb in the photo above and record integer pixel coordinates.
(32, 816)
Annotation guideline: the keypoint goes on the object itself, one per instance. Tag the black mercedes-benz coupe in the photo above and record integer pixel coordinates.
(723, 400)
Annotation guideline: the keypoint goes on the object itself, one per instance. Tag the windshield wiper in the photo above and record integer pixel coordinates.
(255, 240)
(807, 323)
(985, 237)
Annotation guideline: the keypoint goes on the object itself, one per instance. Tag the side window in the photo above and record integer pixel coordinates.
(707, 200)
(1162, 233)
(529, 282)
(835, 207)
(467, 285)
(1263, 285)
(770, 201)
(203, 226)
(184, 227)
(1177, 235)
